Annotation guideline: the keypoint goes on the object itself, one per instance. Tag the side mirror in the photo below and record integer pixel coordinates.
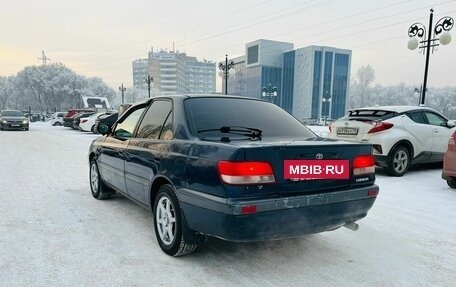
(451, 124)
(103, 129)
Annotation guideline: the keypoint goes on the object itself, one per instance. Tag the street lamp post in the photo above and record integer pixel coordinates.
(122, 89)
(225, 68)
(269, 92)
(149, 80)
(328, 100)
(417, 34)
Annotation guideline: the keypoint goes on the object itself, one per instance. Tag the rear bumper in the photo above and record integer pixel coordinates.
(275, 218)
(381, 160)
(449, 165)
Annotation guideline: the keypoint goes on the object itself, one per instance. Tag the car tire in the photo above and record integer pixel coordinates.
(452, 182)
(398, 161)
(97, 186)
(169, 224)
(92, 129)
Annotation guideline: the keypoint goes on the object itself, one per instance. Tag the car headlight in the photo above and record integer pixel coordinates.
(4, 121)
(24, 121)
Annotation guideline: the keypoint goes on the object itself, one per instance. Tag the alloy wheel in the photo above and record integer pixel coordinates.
(166, 220)
(400, 161)
(94, 178)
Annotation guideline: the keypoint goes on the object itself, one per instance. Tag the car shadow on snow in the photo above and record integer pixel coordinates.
(216, 250)
(415, 168)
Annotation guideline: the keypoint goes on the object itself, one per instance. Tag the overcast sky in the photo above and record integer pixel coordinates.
(101, 38)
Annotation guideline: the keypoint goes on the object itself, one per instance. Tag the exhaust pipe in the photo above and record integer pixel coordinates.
(352, 226)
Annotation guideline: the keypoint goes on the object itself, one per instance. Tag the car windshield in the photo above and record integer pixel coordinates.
(12, 114)
(211, 114)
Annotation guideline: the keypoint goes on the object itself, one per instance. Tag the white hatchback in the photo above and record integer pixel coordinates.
(57, 119)
(400, 135)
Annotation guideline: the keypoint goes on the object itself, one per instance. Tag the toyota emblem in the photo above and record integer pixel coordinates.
(319, 156)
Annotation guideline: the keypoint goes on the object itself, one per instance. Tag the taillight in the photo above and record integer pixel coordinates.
(83, 121)
(248, 209)
(452, 142)
(380, 126)
(246, 172)
(364, 164)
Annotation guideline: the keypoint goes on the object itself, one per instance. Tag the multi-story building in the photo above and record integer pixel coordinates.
(177, 73)
(311, 82)
(200, 76)
(140, 72)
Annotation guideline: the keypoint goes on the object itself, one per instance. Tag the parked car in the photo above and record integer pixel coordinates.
(68, 118)
(57, 119)
(88, 124)
(108, 120)
(77, 119)
(13, 119)
(401, 135)
(449, 162)
(239, 169)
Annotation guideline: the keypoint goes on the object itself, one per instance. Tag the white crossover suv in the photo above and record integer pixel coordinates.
(400, 135)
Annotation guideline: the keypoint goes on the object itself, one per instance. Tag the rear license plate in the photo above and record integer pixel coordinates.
(316, 169)
(347, 131)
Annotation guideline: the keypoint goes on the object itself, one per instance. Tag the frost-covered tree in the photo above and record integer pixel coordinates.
(49, 87)
(360, 87)
(133, 95)
(6, 91)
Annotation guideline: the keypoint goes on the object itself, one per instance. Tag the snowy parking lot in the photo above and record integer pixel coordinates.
(54, 233)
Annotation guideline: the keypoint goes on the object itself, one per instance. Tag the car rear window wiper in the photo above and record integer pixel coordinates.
(251, 133)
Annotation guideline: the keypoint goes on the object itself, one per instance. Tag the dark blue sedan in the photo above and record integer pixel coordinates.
(235, 168)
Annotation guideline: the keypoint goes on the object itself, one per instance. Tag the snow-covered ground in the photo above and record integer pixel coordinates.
(53, 233)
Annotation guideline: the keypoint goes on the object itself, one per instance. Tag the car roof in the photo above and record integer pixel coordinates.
(398, 109)
(188, 96)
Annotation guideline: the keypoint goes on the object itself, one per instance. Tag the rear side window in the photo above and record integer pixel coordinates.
(214, 113)
(417, 117)
(158, 116)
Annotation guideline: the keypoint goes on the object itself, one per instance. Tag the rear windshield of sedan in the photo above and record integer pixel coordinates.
(12, 114)
(214, 113)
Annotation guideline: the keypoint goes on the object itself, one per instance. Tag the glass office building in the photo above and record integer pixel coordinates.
(311, 82)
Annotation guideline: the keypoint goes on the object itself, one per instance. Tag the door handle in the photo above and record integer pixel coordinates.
(436, 130)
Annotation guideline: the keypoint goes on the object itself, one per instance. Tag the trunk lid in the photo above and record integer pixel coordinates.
(276, 152)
